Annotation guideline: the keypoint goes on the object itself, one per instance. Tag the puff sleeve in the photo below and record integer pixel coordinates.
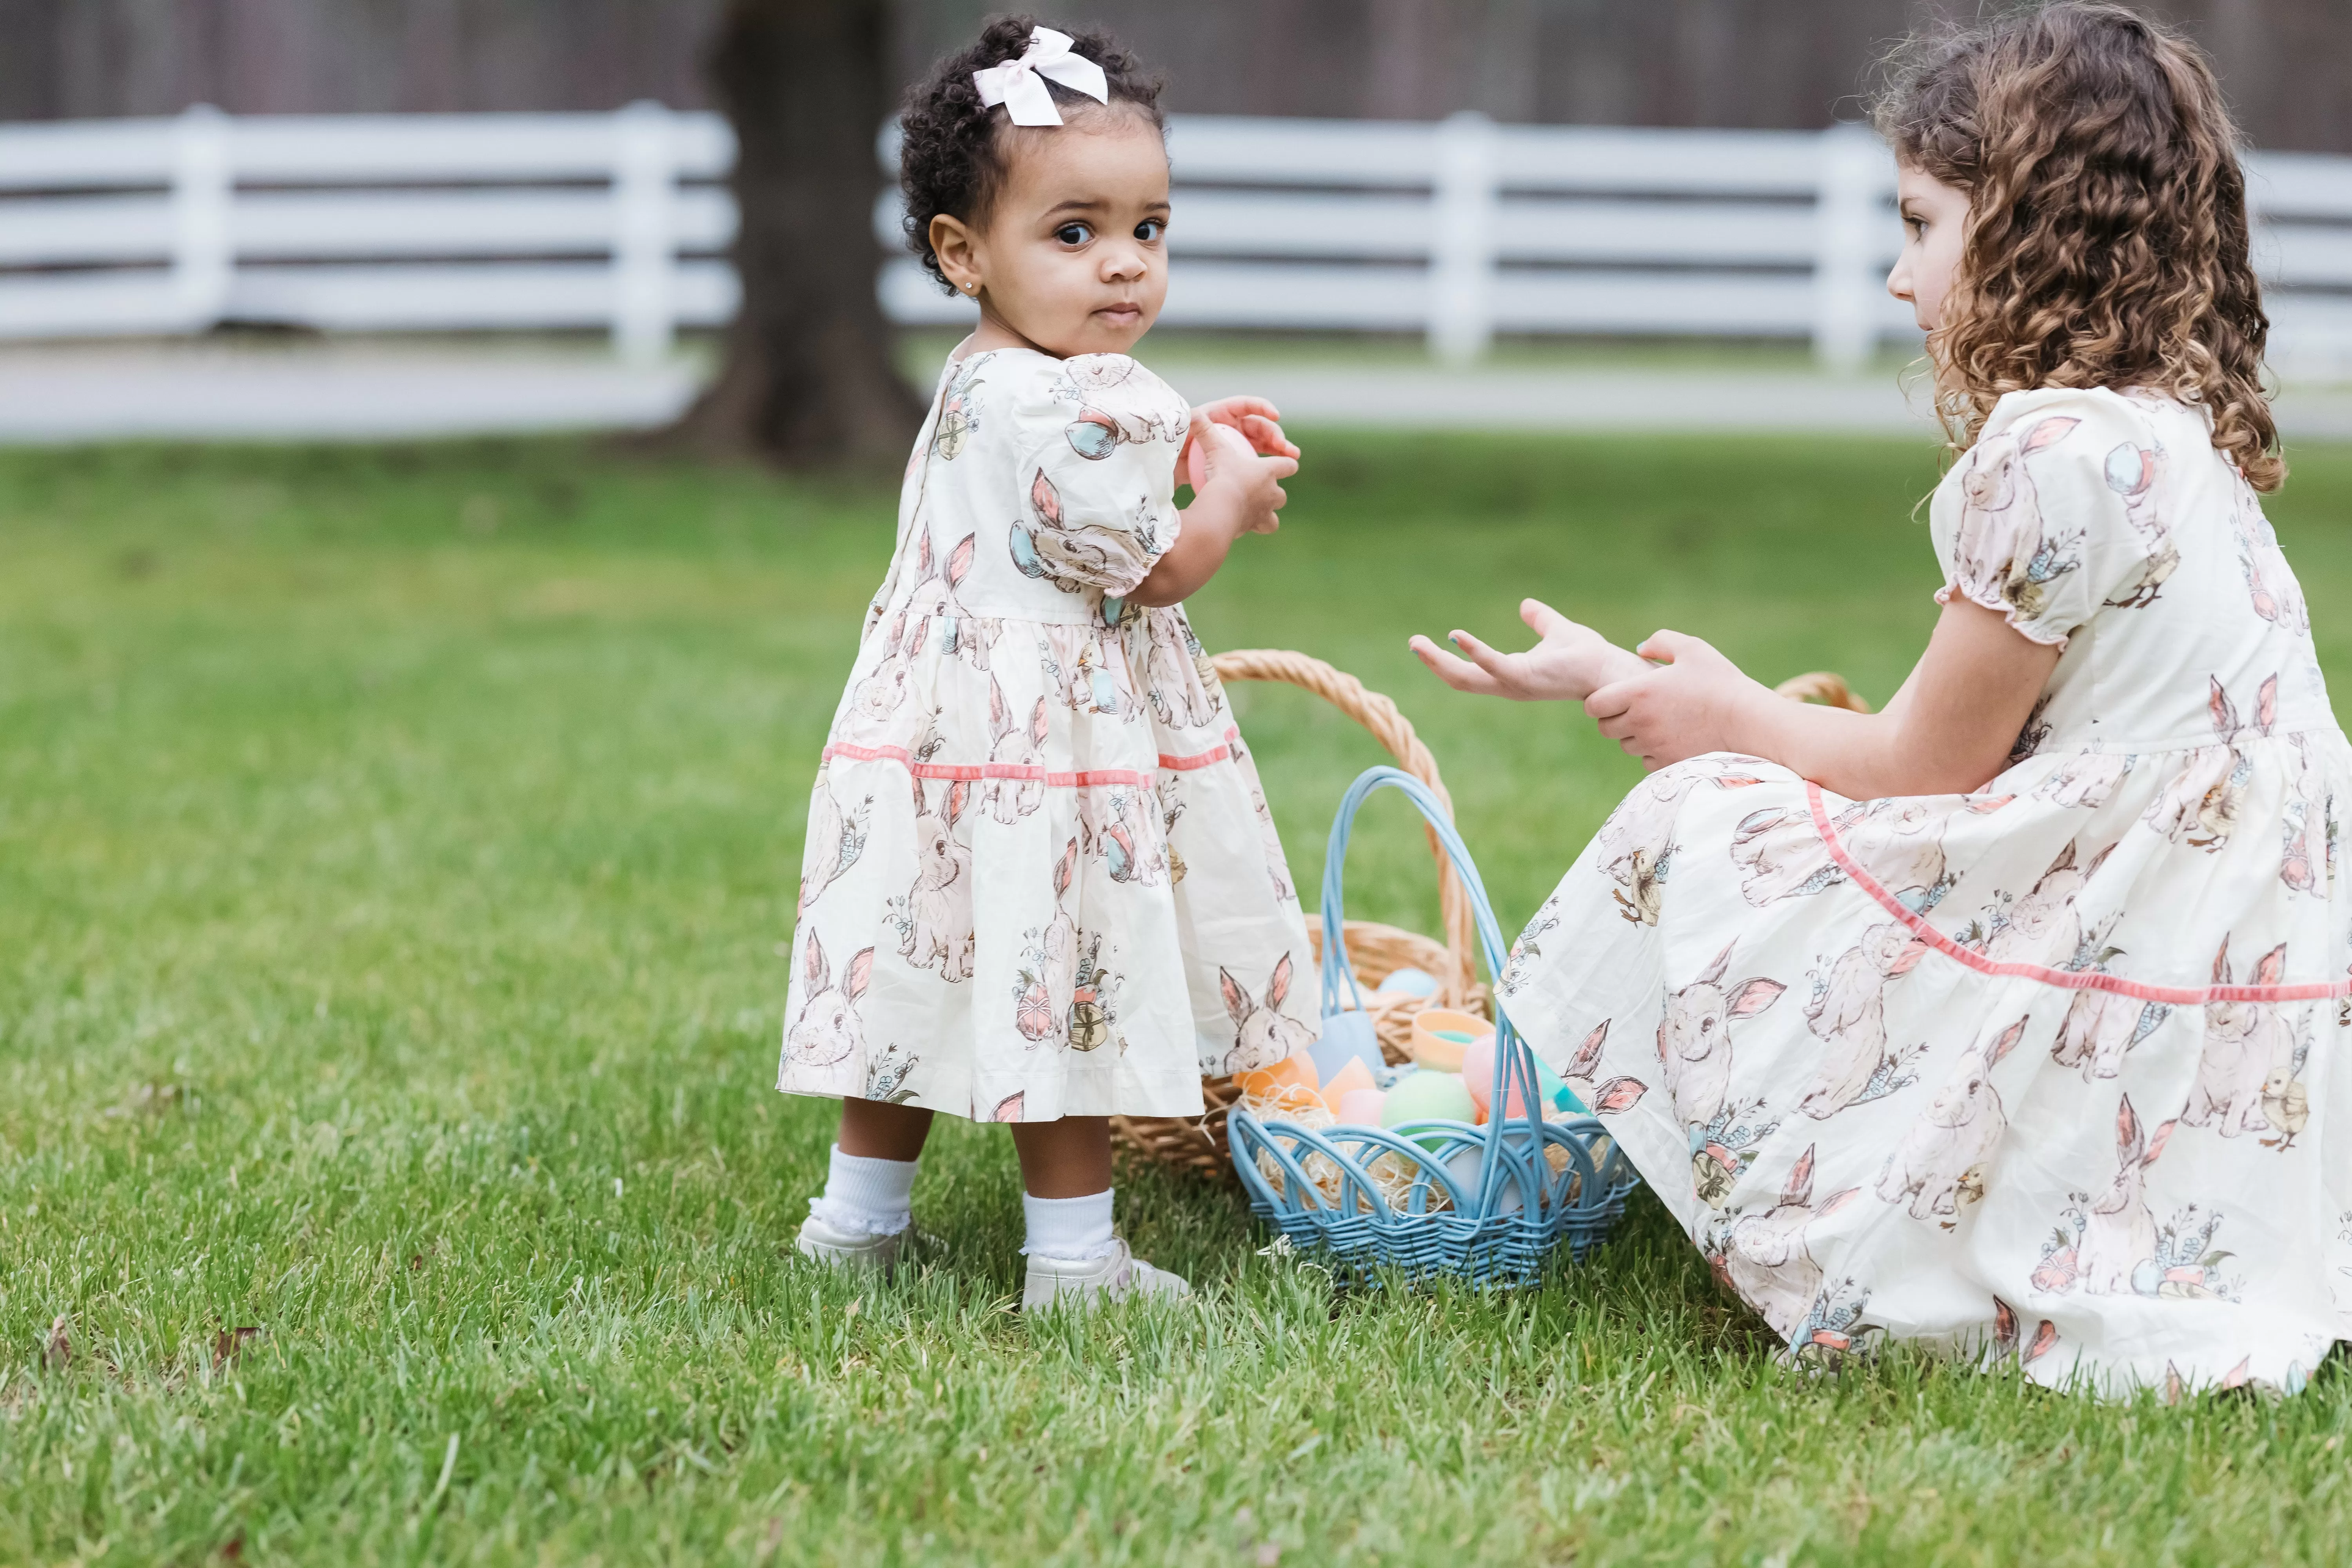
(2050, 516)
(1098, 509)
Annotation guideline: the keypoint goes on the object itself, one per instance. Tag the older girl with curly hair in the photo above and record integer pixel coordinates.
(2004, 1021)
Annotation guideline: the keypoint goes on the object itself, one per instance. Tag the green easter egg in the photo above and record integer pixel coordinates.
(1427, 1097)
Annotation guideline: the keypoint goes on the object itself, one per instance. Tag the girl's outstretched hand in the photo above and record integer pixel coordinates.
(1259, 421)
(1568, 665)
(1682, 707)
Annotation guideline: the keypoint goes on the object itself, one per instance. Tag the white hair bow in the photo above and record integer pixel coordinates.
(1015, 83)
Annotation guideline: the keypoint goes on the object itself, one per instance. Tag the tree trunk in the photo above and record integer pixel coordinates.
(808, 381)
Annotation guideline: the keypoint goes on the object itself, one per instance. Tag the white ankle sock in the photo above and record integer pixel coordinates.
(864, 1195)
(1072, 1229)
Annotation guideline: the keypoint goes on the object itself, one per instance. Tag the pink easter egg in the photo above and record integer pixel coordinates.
(1361, 1107)
(1478, 1072)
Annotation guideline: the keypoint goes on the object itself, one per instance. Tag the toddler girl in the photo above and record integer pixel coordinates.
(2004, 1020)
(1042, 886)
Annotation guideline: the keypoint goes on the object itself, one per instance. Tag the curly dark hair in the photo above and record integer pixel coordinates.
(952, 158)
(2107, 240)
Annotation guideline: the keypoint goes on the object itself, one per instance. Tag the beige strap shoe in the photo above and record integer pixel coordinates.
(851, 1248)
(1088, 1280)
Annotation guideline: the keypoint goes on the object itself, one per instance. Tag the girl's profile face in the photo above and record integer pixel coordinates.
(1935, 228)
(1073, 255)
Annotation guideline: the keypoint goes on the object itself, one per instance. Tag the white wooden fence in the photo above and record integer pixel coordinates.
(1459, 230)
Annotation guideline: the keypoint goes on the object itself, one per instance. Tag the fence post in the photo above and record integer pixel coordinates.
(645, 173)
(1847, 218)
(201, 185)
(1461, 242)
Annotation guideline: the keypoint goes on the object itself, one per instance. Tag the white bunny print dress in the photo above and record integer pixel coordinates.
(2042, 1075)
(1041, 877)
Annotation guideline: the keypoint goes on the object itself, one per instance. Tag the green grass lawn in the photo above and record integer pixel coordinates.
(396, 851)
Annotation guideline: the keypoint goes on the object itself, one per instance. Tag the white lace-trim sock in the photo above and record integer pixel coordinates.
(866, 1196)
(1072, 1229)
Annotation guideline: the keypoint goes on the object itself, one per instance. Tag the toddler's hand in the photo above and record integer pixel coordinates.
(1254, 417)
(1234, 480)
(1678, 710)
(1568, 665)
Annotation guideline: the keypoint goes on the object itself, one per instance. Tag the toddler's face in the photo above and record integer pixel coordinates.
(1934, 229)
(1073, 257)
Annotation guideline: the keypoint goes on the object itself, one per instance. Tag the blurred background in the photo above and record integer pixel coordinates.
(1777, 64)
(363, 218)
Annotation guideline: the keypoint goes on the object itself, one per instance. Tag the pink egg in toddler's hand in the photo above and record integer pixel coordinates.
(1361, 1107)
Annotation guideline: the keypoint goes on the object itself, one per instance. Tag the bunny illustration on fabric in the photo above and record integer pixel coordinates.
(959, 411)
(2132, 472)
(1263, 1032)
(1110, 412)
(878, 695)
(836, 840)
(2006, 1346)
(1637, 841)
(2270, 581)
(1278, 868)
(1050, 962)
(1848, 1016)
(1618, 1094)
(934, 610)
(2200, 805)
(935, 919)
(1527, 949)
(2006, 549)
(1120, 825)
(1695, 1035)
(2088, 778)
(1013, 745)
(1765, 1257)
(827, 1039)
(1940, 1163)
(2100, 1027)
(1171, 678)
(1091, 672)
(2043, 926)
(2244, 1042)
(1722, 1148)
(2308, 832)
(1072, 554)
(1832, 1331)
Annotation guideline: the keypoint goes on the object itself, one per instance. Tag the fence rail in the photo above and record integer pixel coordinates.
(1460, 230)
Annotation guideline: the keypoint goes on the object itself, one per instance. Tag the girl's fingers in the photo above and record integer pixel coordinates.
(1608, 704)
(1454, 672)
(1542, 619)
(1486, 657)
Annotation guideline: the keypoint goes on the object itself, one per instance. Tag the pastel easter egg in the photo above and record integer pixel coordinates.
(1439, 1034)
(1346, 1080)
(1361, 1107)
(1427, 1097)
(1410, 982)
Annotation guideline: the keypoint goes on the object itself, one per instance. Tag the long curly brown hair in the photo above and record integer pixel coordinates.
(2107, 240)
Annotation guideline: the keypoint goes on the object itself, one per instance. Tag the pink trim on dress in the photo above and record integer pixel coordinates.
(2068, 980)
(1089, 779)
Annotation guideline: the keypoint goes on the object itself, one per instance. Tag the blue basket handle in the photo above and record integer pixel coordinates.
(1514, 1062)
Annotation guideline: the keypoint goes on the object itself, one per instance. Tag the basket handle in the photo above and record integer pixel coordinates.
(1515, 1068)
(1396, 733)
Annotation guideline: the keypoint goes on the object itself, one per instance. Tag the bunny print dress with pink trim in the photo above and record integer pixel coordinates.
(1041, 879)
(2042, 1074)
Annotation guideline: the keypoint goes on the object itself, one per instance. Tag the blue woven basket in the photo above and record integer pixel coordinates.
(1432, 1198)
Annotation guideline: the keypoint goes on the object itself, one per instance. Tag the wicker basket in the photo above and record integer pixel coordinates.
(1376, 951)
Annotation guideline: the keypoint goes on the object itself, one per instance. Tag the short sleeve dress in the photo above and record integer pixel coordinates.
(2042, 1074)
(1041, 879)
